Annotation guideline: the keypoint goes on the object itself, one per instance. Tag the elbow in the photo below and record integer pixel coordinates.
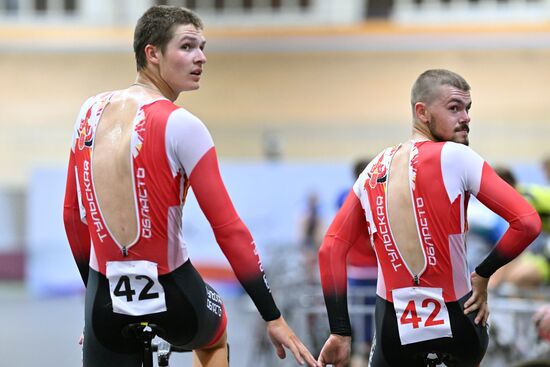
(333, 250)
(535, 225)
(325, 250)
(531, 225)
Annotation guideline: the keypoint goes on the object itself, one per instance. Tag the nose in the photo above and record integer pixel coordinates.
(201, 57)
(465, 117)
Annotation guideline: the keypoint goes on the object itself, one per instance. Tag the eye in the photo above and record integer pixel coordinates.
(186, 46)
(453, 108)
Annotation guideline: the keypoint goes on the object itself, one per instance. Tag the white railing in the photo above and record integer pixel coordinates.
(215, 12)
(275, 12)
(468, 11)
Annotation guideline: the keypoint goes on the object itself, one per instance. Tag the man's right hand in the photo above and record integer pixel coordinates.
(336, 351)
(282, 337)
(478, 300)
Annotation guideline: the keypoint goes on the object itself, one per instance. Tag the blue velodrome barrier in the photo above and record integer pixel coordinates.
(269, 196)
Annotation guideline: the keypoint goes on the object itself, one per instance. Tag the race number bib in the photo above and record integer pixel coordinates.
(421, 314)
(135, 289)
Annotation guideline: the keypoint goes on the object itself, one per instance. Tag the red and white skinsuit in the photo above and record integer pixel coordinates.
(171, 150)
(442, 176)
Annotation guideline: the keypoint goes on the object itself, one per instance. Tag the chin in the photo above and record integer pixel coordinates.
(464, 141)
(193, 87)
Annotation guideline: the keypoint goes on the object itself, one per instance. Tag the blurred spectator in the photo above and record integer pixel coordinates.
(485, 227)
(272, 145)
(546, 168)
(541, 318)
(311, 234)
(532, 268)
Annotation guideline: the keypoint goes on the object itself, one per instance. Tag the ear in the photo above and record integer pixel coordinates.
(421, 112)
(152, 54)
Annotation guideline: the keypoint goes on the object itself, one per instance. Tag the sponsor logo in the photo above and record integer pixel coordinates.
(213, 302)
(93, 209)
(85, 130)
(427, 238)
(260, 265)
(85, 135)
(385, 233)
(144, 208)
(377, 174)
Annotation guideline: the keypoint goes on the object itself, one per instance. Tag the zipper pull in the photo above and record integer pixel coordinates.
(124, 251)
(416, 281)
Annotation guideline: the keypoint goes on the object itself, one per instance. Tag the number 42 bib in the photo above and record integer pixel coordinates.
(134, 287)
(421, 314)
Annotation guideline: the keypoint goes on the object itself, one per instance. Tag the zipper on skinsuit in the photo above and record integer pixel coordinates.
(416, 280)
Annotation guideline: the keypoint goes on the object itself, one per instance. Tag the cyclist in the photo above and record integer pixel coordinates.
(134, 156)
(410, 205)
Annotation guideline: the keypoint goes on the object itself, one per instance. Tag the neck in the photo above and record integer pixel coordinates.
(421, 133)
(417, 136)
(147, 79)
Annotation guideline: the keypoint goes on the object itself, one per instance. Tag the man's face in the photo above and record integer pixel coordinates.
(448, 118)
(181, 63)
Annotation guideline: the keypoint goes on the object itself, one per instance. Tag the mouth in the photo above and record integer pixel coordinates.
(197, 72)
(464, 128)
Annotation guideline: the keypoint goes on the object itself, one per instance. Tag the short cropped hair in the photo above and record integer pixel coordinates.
(426, 86)
(156, 27)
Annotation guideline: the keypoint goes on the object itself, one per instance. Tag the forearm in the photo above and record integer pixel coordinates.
(231, 234)
(332, 265)
(76, 230)
(524, 222)
(240, 250)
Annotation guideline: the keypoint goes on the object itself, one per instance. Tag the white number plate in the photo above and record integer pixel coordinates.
(135, 289)
(421, 314)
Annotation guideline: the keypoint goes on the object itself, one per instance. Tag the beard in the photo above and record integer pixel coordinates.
(432, 126)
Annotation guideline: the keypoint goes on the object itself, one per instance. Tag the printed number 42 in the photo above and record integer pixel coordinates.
(410, 315)
(124, 288)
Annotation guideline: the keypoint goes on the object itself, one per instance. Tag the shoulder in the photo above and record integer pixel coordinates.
(90, 102)
(187, 134)
(462, 166)
(177, 120)
(181, 121)
(376, 166)
(181, 116)
(457, 150)
(460, 155)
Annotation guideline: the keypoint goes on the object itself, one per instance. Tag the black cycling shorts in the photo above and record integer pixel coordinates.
(189, 320)
(466, 348)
